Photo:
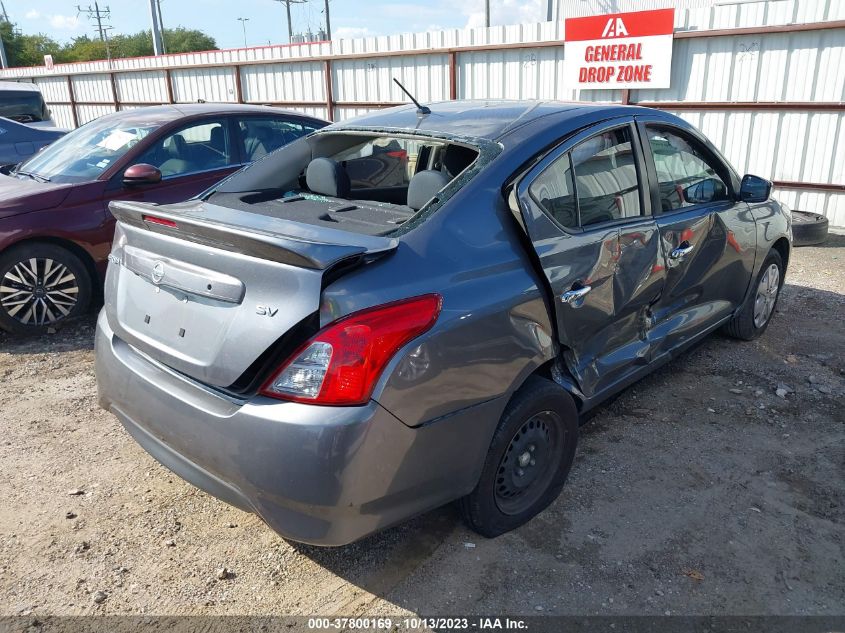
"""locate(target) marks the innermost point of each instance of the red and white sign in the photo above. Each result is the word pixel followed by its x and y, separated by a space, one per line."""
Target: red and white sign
pixel 619 50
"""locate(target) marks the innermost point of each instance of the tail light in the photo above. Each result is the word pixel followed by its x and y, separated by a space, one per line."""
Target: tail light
pixel 343 362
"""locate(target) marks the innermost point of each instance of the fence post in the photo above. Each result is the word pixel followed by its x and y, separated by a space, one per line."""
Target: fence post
pixel 453 75
pixel 114 92
pixel 168 80
pixel 239 95
pixel 72 100
pixel 327 70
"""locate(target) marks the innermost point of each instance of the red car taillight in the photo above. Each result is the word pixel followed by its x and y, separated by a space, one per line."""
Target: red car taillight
pixel 342 363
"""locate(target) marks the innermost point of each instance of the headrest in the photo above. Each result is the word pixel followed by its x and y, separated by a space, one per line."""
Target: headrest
pixel 424 186
pixel 328 178
pixel 456 158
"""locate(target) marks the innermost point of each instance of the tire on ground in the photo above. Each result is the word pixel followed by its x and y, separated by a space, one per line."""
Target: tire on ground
pixel 808 228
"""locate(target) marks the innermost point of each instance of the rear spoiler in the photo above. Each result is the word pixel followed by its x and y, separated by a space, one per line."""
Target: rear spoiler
pixel 239 231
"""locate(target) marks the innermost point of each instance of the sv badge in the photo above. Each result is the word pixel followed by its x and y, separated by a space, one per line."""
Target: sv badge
pixel 266 311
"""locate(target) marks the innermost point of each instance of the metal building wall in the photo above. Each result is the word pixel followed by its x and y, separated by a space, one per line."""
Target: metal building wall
pixel 762 78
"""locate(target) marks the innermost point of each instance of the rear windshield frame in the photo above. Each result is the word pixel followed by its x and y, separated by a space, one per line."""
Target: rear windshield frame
pixel 487 151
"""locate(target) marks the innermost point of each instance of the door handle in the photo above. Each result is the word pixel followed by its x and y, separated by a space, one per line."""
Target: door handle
pixel 573 297
pixel 684 249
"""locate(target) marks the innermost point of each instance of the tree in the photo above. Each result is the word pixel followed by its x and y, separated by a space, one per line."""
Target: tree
pixel 182 40
pixel 29 50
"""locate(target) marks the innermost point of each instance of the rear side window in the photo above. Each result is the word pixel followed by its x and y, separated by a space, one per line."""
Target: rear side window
pixel 262 135
pixel 597 181
pixel 686 176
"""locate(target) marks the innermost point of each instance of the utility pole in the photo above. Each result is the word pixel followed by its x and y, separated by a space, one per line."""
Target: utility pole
pixel 550 10
pixel 99 16
pixel 328 23
pixel 4 19
pixel 243 22
pixel 287 4
pixel 157 47
pixel 161 28
pixel 487 13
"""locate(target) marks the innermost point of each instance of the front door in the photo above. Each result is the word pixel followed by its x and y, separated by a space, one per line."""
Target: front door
pixel 708 242
pixel 585 211
pixel 191 159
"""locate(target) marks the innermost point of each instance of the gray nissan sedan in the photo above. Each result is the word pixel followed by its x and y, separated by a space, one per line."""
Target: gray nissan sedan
pixel 416 307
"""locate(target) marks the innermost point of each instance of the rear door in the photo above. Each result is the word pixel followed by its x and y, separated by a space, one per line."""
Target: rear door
pixel 707 235
pixel 191 159
pixel 587 214
pixel 261 134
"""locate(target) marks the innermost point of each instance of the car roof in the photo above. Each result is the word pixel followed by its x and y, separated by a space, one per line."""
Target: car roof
pixel 23 86
pixel 484 119
pixel 162 114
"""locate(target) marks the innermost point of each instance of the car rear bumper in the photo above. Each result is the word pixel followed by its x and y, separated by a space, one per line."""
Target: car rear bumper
pixel 320 475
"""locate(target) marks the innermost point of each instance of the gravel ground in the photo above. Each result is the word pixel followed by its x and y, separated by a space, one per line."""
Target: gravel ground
pixel 698 491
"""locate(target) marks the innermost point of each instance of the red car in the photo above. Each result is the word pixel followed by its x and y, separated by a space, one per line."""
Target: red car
pixel 55 226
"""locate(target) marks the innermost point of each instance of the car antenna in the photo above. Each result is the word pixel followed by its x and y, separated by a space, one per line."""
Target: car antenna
pixel 421 109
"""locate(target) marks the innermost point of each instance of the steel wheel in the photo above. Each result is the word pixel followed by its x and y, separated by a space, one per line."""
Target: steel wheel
pixel 529 464
pixel 767 294
pixel 39 291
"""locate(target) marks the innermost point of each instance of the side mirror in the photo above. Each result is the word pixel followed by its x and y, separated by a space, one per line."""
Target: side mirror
pixel 141 174
pixel 704 191
pixel 754 189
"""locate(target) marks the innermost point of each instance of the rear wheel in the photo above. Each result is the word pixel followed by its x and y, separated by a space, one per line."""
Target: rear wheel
pixel 529 459
pixel 40 286
pixel 755 315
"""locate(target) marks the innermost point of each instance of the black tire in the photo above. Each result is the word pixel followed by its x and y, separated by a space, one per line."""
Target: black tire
pixel 502 500
pixel 60 289
pixel 808 228
pixel 743 325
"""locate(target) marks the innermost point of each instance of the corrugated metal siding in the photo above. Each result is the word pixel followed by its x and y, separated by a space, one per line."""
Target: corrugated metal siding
pixel 90 112
pixel 96 88
pixel 358 80
pixel 215 85
pixel 283 82
pixel 62 116
pixel 784 145
pixel 753 68
pixel 142 87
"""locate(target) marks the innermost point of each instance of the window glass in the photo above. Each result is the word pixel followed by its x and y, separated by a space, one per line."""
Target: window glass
pixel 685 175
pixel 24 106
pixel 85 153
pixel 262 135
pixel 606 180
pixel 381 162
pixel 553 191
pixel 201 147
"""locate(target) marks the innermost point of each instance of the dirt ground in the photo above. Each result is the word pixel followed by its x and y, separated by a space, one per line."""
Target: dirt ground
pixel 698 491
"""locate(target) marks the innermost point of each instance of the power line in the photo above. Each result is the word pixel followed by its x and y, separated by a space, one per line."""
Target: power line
pixel 101 17
pixel 287 4
pixel 98 15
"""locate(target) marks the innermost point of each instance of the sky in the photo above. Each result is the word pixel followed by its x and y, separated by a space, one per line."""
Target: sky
pixel 267 23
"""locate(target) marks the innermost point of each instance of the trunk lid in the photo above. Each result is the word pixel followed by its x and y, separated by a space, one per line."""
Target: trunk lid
pixel 205 289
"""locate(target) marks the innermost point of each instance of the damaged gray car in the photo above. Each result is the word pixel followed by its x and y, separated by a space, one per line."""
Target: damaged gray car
pixel 418 307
